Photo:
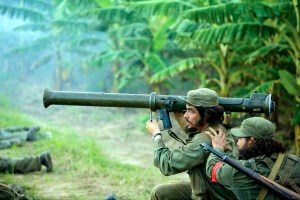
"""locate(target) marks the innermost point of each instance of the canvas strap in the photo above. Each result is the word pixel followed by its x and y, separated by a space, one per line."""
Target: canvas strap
pixel 271 176
pixel 174 136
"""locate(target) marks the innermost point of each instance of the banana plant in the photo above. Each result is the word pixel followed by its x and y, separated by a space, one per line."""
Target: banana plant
pixel 60 31
pixel 126 39
pixel 220 26
pixel 290 83
pixel 225 26
pixel 136 44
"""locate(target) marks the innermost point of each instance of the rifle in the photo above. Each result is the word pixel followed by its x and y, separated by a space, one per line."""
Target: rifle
pixel 256 103
pixel 264 181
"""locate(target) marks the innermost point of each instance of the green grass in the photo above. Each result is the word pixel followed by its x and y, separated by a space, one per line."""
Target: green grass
pixel 81 169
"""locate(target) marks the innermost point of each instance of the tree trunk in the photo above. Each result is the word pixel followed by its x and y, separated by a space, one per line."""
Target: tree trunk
pixel 116 76
pixel 297 139
pixel 58 71
pixel 224 68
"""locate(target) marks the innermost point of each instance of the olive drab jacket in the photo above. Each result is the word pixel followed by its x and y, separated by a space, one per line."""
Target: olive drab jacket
pixel 243 186
pixel 192 158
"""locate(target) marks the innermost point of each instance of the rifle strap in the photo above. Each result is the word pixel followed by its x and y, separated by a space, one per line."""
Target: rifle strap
pixel 174 136
pixel 272 175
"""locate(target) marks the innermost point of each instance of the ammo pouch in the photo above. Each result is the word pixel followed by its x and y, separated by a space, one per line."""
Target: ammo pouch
pixel 12 192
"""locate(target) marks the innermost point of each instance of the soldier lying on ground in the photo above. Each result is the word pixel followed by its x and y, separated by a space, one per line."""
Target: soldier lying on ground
pixel 26 164
pixel 19 135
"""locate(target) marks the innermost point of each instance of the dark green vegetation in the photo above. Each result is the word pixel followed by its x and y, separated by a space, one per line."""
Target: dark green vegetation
pixel 165 46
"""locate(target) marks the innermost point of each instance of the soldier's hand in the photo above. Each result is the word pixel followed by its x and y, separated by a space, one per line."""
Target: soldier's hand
pixel 217 138
pixel 152 127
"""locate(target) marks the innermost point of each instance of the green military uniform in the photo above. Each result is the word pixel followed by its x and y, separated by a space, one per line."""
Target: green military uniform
pixel 243 186
pixel 20 165
pixel 27 164
pixel 19 135
pixel 7 138
pixel 191 158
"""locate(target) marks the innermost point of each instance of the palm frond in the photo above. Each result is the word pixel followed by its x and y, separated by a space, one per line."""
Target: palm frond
pixel 33 27
pixel 132 29
pixel 157 7
pixel 230 33
pixel 126 74
pixel 113 14
pixel 23 13
pixel 229 12
pixel 75 26
pixel 161 35
pixel 264 51
pixel 42 61
pixel 104 3
pixel 289 82
pixel 113 56
pixel 282 8
pixel 43 6
pixel 88 40
pixel 177 68
pixel 155 63
pixel 187 26
pixel 237 71
pixel 139 43
pixel 294 39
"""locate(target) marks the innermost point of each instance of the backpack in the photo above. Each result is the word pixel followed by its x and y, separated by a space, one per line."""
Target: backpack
pixel 12 192
pixel 289 171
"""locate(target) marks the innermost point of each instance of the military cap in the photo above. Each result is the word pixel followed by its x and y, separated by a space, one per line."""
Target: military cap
pixel 203 97
pixel 256 127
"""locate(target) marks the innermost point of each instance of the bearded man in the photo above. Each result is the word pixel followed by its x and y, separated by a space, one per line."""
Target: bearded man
pixel 202 112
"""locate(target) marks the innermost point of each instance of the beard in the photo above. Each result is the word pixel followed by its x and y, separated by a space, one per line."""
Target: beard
pixel 190 129
pixel 245 153
pixel 193 128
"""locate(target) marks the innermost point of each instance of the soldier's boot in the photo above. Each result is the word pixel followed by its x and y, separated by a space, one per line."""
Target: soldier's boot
pixel 46 161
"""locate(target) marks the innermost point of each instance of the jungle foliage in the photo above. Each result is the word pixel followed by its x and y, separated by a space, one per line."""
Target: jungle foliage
pixel 234 47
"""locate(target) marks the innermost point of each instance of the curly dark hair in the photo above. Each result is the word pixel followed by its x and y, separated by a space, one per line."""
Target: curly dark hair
pixel 261 147
pixel 212 115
